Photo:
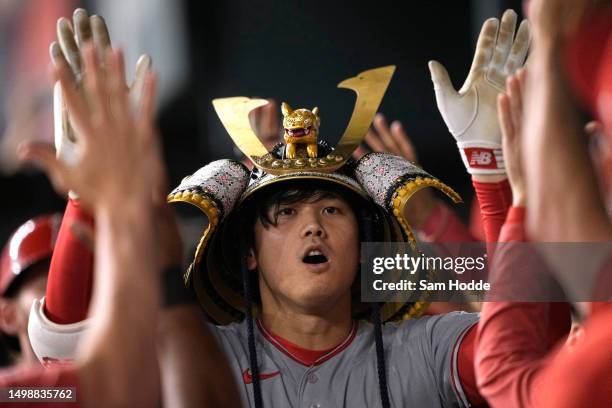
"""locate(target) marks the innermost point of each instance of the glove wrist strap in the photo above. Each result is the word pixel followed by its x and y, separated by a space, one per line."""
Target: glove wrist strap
pixel 482 157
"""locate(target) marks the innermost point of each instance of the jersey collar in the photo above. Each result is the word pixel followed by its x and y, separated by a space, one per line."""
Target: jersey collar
pixel 302 355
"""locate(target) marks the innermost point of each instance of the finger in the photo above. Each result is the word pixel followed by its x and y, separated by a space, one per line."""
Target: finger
pixel 69 46
pixel 38 153
pixel 255 120
pixel 382 127
pixel 82 27
pixel 94 84
pixel 84 233
pixel 43 156
pixel 147 107
pixel 269 124
pixel 74 100
pixel 484 49
pixel 374 142
pixel 443 86
pixel 406 147
pixel 117 91
pixel 359 152
pixel 505 36
pixel 100 33
pixel 505 118
pixel 521 75
pixel 516 102
pixel 269 120
pixel 518 53
pixel 143 65
pixel 57 56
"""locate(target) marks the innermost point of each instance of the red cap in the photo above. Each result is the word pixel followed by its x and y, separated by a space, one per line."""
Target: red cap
pixel 30 243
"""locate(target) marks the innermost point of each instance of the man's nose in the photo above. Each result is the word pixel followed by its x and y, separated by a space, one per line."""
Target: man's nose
pixel 313 228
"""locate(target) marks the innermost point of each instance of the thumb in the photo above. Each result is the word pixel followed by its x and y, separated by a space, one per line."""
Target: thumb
pixel 43 156
pixel 443 86
pixel 39 154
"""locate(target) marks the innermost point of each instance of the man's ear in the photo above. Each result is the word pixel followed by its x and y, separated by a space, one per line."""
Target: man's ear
pixel 9 323
pixel 251 260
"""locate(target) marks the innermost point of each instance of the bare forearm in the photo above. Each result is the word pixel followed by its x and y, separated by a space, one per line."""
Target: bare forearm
pixel 125 305
pixel 563 199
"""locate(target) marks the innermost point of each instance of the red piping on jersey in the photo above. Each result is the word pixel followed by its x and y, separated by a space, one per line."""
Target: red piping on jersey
pixel 302 355
pixel 247 377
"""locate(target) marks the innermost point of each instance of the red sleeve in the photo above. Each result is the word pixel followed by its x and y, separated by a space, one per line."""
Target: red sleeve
pixel 476 226
pixel 465 368
pixel 495 200
pixel 71 272
pixel 512 231
pixel 514 339
pixel 443 225
pixel 36 376
pixel 584 370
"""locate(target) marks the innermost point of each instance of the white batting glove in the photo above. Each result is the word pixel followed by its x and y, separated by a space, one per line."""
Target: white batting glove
pixel 471 113
pixel 71 39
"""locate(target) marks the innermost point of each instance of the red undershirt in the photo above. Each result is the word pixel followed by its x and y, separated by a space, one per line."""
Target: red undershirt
pixel 495 200
pixel 69 286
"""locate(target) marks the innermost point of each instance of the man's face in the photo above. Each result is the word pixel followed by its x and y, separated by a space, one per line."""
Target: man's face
pixel 309 258
pixel 34 288
pixel 15 311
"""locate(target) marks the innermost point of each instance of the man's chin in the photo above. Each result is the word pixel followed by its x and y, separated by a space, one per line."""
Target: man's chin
pixel 318 299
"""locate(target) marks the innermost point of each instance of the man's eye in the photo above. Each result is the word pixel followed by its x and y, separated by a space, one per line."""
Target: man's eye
pixel 286 211
pixel 331 210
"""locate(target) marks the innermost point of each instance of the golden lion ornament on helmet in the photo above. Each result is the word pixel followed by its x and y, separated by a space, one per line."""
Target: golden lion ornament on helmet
pixel 301 131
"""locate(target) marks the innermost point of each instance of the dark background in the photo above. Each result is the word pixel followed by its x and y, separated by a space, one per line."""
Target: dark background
pixel 298 52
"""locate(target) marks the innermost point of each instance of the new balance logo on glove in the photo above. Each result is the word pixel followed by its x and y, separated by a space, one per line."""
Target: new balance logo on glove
pixel 482 158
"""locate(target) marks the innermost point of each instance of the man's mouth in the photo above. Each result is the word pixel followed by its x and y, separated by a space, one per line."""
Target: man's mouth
pixel 314 257
pixel 298 132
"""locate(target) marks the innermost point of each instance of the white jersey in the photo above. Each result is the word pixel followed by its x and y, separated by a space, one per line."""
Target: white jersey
pixel 420 355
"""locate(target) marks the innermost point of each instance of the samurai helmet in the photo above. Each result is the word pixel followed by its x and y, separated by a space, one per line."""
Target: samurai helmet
pixel 223 188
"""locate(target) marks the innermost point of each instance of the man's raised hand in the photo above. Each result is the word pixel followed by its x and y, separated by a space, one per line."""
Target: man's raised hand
pixel 68 50
pixel 388 139
pixel 470 113
pixel 119 152
pixel 510 110
pixel 394 139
